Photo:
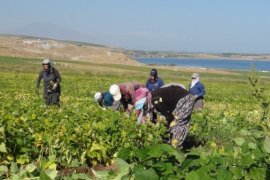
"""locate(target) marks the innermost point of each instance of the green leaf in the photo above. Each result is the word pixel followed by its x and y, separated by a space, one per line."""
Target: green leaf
pixel 179 156
pixel 239 141
pixel 172 177
pixel 48 164
pixel 164 149
pixel 189 162
pixel 266 144
pixel 149 174
pixel 247 160
pixel 258 153
pixel 257 173
pixel 2 130
pixel 252 145
pixel 30 167
pixel 236 171
pixel 52 173
pixel 14 168
pixel 203 172
pixel 169 169
pixel 43 175
pixel 34 116
pixel 75 163
pixel 3 169
pixel 100 174
pixel 155 152
pixel 22 159
pixel 17 176
pixel 142 154
pixel 124 153
pixel 123 168
pixel 161 166
pixel 217 160
pixel 192 176
pixel 80 176
pixel 3 148
pixel 223 174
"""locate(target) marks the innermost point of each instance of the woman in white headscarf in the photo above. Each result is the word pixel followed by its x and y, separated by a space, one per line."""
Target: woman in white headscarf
pixel 197 89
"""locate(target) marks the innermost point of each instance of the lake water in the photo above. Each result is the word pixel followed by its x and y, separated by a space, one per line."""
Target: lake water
pixel 226 64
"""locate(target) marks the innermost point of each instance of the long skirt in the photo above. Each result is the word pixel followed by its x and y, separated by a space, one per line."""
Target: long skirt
pixel 198 104
pixel 52 98
pixel 179 126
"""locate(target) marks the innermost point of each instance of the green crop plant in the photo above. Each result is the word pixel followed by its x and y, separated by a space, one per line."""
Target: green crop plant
pixel 226 139
pixel 260 93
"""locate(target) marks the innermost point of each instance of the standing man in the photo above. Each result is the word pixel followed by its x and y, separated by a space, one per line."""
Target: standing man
pixel 154 82
pixel 197 89
pixel 51 83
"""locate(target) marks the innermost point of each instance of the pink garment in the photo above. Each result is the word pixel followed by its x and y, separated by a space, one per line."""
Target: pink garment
pixel 128 90
pixel 141 93
pixel 138 95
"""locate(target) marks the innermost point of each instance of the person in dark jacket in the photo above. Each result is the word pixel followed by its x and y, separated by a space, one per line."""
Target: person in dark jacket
pixel 51 83
pixel 197 89
pixel 176 105
pixel 154 82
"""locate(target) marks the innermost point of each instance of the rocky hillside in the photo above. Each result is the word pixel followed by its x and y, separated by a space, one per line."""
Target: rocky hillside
pixel 20 46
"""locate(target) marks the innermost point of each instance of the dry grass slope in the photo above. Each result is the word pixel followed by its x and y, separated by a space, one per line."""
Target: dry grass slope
pixel 17 46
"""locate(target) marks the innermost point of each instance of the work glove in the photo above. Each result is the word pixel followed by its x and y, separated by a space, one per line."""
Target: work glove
pixel 195 97
pixel 54 86
pixel 127 113
pixel 130 107
pixel 37 92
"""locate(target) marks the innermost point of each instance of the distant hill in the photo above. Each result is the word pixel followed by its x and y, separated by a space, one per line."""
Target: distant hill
pixel 52 31
pixel 39 47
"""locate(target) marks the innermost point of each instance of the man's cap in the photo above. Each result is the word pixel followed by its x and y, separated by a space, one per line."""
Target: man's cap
pixel 153 72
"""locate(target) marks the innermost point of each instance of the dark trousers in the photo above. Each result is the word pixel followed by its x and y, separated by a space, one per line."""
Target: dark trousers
pixel 52 98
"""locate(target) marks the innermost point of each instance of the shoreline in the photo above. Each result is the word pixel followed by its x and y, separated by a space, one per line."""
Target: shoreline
pixel 204 58
pixel 206 64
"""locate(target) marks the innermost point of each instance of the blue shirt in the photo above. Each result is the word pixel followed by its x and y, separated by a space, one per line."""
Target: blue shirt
pixel 198 89
pixel 152 86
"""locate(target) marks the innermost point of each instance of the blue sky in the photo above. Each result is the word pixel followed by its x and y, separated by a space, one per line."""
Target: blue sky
pixel 176 25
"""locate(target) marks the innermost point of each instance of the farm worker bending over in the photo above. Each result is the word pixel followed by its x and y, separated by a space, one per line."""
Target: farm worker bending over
pixel 51 83
pixel 124 93
pixel 154 82
pixel 105 99
pixel 143 105
pixel 197 89
pixel 176 105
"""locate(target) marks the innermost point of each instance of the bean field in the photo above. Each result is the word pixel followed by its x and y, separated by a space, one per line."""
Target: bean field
pixel 228 139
